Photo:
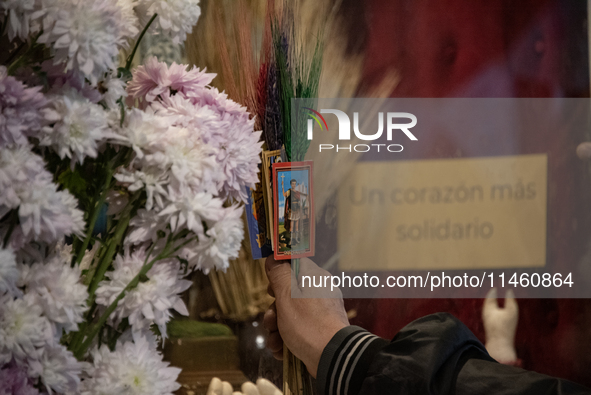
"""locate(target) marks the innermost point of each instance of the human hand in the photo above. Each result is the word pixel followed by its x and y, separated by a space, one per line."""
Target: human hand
pixel 305 322
pixel 500 325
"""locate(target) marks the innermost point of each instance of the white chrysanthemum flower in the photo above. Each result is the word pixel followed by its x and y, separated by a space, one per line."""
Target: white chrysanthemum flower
pixel 23 329
pixel 142 130
pixel 57 288
pixel 151 301
pixel 86 36
pixel 47 214
pixel 134 368
pixel 113 89
pixel 145 227
pixel 175 17
pixel 186 113
pixel 58 369
pixel 129 18
pixel 17 13
pixel 78 126
pixel 189 211
pixel 171 158
pixel 19 166
pixel 9 273
pixel 190 162
pixel 152 179
pixel 222 243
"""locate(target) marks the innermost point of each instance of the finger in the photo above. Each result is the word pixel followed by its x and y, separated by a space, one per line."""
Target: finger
pixel 311 269
pixel 584 150
pixel 279 275
pixel 271 263
pixel 270 291
pixel 278 355
pixel 270 318
pixel 274 342
pixel 511 303
pixel 490 303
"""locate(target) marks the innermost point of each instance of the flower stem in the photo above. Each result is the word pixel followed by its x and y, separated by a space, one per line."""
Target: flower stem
pixel 113 163
pixel 112 245
pixel 15 52
pixel 13 218
pixel 21 59
pixel 137 43
pixel 3 28
pixel 96 211
pixel 103 265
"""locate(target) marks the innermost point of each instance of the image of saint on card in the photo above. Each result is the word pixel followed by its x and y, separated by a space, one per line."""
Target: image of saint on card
pixel 293 209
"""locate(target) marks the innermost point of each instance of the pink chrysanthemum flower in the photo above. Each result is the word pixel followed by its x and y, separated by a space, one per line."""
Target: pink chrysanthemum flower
pixel 219 102
pixel 157 79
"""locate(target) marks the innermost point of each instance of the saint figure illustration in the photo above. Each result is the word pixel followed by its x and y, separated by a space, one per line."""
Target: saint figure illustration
pixel 293 211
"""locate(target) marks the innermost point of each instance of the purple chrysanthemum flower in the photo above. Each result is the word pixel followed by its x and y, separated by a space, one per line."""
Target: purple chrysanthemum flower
pixel 14 381
pixel 238 154
pixel 20 107
pixel 238 145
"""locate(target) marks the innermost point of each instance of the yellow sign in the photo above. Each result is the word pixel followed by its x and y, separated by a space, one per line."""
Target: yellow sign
pixel 469 213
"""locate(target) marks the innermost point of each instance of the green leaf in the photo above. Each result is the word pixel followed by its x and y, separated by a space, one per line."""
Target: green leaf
pixel 124 74
pixel 73 182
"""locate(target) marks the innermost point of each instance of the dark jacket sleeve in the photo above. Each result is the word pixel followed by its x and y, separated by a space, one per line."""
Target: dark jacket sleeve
pixel 436 354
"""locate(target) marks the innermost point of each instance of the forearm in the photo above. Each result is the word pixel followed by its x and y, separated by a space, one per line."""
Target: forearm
pixel 436 354
pixel 478 377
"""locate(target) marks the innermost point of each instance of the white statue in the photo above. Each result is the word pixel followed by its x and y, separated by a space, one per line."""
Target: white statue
pixel 262 387
pixel 500 325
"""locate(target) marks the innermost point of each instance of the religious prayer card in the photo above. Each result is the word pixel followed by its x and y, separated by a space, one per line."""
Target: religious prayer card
pixel 269 157
pixel 260 245
pixel 293 210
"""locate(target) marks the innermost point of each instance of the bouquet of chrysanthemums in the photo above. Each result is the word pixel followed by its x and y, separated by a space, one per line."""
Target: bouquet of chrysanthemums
pixel 115 184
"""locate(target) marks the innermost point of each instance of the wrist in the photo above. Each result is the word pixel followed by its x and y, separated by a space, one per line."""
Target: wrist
pixel 501 349
pixel 319 345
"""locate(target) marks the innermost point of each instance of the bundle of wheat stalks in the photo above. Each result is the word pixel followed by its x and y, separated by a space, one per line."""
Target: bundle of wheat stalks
pixel 241 292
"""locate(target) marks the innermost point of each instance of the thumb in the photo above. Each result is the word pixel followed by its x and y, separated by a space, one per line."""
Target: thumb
pixel 279 275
